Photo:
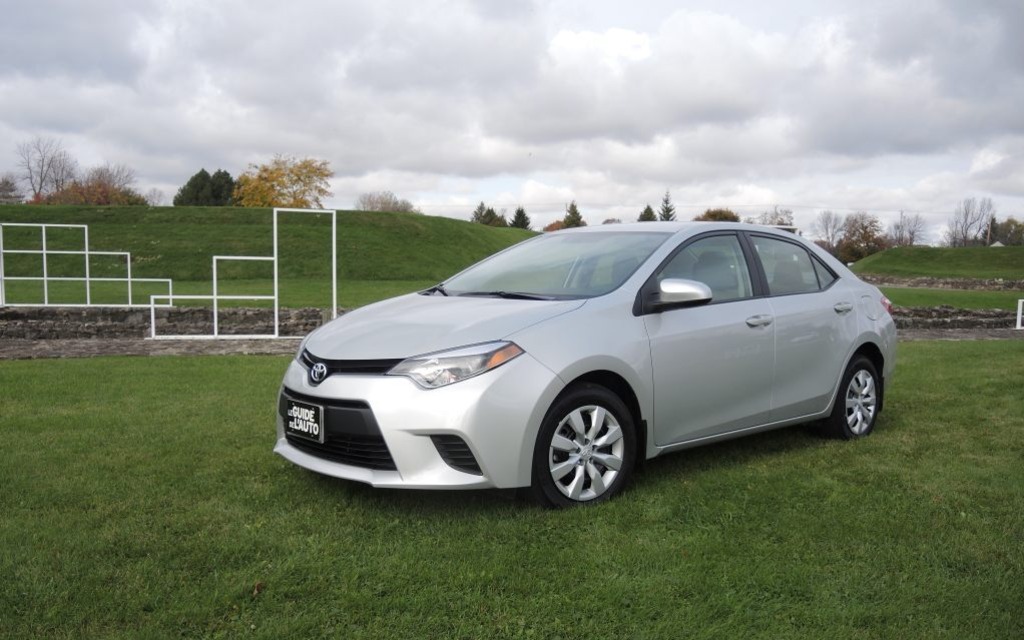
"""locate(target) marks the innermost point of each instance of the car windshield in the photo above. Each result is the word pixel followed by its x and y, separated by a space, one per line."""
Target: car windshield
pixel 559 266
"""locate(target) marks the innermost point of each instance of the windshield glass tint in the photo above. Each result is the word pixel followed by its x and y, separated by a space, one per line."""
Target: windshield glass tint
pixel 561 265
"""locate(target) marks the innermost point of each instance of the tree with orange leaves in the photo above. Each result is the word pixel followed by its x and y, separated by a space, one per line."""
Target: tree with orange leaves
pixel 284 182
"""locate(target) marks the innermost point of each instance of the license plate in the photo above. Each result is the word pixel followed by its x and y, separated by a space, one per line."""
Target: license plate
pixel 304 420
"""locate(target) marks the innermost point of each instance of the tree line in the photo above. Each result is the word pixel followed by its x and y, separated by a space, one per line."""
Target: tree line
pixel 484 214
pixel 855 236
pixel 974 223
pixel 49 174
pixel 52 175
pixel 666 212
pixel 848 237
pixel 284 181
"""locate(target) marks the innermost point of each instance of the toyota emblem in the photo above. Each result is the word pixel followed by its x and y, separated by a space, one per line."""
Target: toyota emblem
pixel 318 373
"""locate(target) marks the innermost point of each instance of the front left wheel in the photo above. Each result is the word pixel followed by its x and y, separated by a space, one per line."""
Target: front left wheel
pixel 585 450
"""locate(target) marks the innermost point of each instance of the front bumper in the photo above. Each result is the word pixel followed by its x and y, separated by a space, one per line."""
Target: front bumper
pixel 497 414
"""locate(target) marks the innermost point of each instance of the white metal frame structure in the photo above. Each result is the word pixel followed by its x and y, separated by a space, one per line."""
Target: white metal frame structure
pixel 217 296
pixel 1020 314
pixel 46 278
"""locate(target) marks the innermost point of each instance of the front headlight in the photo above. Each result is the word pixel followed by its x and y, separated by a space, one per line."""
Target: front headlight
pixel 435 370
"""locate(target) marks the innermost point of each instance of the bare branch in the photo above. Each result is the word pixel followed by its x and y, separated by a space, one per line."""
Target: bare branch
pixel 828 226
pixel 906 231
pixel 969 222
pixel 113 176
pixel 384 201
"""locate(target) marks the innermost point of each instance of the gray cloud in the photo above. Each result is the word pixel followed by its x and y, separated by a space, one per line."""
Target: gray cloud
pixel 46 38
pixel 840 103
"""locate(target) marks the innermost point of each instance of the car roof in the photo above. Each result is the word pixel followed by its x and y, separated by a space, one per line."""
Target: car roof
pixel 671 227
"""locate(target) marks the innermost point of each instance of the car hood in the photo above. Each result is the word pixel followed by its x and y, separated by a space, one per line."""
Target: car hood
pixel 416 324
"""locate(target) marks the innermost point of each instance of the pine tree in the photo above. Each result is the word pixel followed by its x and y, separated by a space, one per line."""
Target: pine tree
pixel 667 213
pixel 520 220
pixel 204 190
pixel 572 217
pixel 196 192
pixel 647 215
pixel 9 191
pixel 479 213
pixel 494 219
pixel 222 186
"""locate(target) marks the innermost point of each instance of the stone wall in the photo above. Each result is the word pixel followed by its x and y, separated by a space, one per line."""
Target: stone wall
pixel 946 317
pixel 55 323
pixel 976 284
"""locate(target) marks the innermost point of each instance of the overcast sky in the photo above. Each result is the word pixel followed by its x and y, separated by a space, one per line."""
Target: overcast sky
pixel 847 105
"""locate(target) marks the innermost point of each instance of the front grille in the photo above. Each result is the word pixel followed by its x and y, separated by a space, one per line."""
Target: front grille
pixel 351 434
pixel 349 367
pixel 456 453
pixel 359 451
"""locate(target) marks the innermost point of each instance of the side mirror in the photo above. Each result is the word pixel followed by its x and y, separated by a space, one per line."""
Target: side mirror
pixel 674 292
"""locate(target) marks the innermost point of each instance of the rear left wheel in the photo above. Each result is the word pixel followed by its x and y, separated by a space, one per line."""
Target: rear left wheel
pixel 858 403
pixel 585 450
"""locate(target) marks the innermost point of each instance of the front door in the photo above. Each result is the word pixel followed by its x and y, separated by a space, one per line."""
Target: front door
pixel 712 364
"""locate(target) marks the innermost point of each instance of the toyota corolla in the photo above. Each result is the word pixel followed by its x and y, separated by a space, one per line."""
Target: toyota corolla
pixel 562 362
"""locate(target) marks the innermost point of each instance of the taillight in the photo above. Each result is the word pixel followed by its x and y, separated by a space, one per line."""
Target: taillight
pixel 887 304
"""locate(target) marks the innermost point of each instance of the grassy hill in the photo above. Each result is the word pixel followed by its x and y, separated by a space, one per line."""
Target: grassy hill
pixel 935 262
pixel 177 242
pixel 965 262
pixel 401 252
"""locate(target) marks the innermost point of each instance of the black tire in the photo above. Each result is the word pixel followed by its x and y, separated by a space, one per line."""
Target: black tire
pixel 577 468
pixel 858 402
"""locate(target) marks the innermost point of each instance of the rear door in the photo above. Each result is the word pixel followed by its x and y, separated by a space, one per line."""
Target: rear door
pixel 815 323
pixel 712 364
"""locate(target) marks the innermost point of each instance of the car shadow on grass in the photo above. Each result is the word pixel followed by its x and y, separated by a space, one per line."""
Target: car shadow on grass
pixel 669 468
pixel 421 500
pixel 728 454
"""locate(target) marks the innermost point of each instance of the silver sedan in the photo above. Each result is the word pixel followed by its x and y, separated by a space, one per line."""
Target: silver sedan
pixel 563 361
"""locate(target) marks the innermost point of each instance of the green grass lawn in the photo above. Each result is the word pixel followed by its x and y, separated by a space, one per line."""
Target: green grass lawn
pixel 940 262
pixel 140 498
pixel 907 297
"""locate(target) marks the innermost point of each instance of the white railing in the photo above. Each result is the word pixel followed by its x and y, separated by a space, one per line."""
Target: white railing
pixel 275 297
pixel 45 252
pixel 154 299
pixel 216 335
pixel 1020 314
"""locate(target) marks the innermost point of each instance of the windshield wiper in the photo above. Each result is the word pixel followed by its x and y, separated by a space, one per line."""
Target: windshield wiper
pixel 437 288
pixel 508 295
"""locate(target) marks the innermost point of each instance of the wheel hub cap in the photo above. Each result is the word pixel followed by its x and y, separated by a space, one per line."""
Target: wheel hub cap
pixel 861 402
pixel 586 453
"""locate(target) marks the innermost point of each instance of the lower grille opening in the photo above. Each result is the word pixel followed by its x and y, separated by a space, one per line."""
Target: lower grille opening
pixel 351 434
pixel 456 453
pixel 359 451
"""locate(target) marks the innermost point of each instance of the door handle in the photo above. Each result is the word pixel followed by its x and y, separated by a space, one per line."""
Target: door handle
pixel 762 320
pixel 843 307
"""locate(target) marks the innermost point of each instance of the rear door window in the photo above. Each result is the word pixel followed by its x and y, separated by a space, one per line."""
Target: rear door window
pixel 788 267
